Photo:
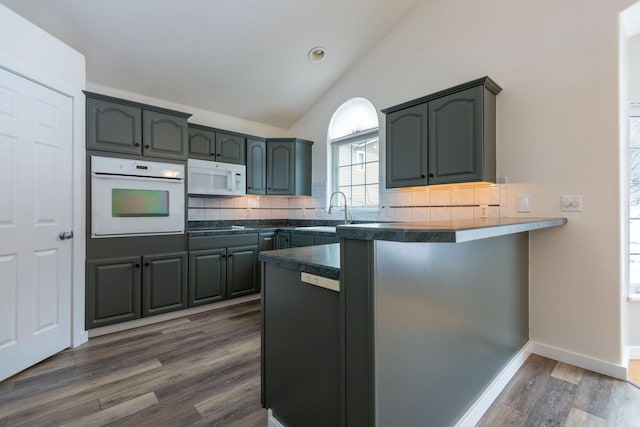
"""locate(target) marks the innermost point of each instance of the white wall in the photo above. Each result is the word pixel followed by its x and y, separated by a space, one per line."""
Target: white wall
pixel 23 42
pixel 557 134
pixel 28 50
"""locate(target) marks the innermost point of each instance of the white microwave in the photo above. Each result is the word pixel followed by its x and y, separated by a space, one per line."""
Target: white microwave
pixel 216 178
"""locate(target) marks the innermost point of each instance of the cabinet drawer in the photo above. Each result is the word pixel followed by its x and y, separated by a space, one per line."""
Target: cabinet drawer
pixel 222 241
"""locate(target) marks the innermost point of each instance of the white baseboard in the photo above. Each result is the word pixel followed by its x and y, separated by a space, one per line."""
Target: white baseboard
pixel 579 360
pixel 480 406
pixel 119 327
pixel 633 352
pixel 272 421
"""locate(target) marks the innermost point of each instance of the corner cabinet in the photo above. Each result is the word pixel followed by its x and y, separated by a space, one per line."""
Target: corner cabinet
pixel 443 138
pixel 120 126
pixel 289 167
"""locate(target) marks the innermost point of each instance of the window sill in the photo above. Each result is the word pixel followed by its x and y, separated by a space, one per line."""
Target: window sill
pixel 634 297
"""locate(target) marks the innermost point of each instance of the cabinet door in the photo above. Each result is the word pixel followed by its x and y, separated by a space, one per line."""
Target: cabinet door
pixel 202 144
pixel 407 147
pixel 165 135
pixel 164 285
pixel 267 241
pixel 282 240
pixel 113 291
pixel 230 148
pixel 207 276
pixel 113 127
pixel 301 239
pixel 280 167
pixel 242 270
pixel 256 166
pixel 455 137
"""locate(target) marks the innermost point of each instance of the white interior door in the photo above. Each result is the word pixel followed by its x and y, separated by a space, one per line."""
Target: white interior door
pixel 35 207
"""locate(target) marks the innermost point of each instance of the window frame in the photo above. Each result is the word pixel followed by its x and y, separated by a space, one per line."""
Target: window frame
pixel 634 287
pixel 347 140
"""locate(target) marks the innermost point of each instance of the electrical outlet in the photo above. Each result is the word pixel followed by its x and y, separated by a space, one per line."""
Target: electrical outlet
pixel 571 203
pixel 484 211
pixel 524 204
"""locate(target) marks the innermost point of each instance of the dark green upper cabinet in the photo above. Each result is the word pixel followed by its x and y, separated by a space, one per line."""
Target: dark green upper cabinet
pixel 164 135
pixel 113 127
pixel 120 126
pixel 456 144
pixel 202 143
pixel 444 138
pixel 230 148
pixel 407 147
pixel 256 166
pixel 289 166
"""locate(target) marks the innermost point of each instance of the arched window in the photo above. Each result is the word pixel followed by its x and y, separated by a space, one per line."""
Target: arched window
pixel 355 152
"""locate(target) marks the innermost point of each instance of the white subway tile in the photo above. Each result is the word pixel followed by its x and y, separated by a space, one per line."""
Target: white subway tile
pixel 212 202
pixel 421 198
pixel 196 202
pixel 494 211
pixel 212 214
pixel 403 214
pixel 440 197
pixel 461 196
pixel 227 202
pixel 440 213
pixel 240 202
pixel 389 198
pixel 504 211
pixel 504 195
pixel 196 214
pixel 404 198
pixel 421 214
pixel 489 195
pixel 460 212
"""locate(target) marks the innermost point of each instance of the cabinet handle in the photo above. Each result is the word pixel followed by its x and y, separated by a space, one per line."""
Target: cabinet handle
pixel 230 255
pixel 249 187
pixel 430 175
pixel 269 188
pixel 422 176
pixel 213 154
pixel 218 154
pixel 146 264
pixel 137 144
pixel 137 265
pixel 147 146
pixel 224 256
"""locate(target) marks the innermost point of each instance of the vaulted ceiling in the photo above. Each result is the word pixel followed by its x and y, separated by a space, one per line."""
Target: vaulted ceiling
pixel 244 58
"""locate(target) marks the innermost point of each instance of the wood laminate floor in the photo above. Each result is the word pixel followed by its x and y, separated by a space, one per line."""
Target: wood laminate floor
pixel 198 370
pixel 205 370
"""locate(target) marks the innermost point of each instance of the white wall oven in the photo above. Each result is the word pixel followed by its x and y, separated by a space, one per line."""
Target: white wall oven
pixel 136 197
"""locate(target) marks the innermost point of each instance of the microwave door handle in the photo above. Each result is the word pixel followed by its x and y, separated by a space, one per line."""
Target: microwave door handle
pixel 230 181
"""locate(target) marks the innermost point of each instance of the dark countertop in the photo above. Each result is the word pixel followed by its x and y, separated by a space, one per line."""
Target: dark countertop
pixel 322 260
pixel 445 231
pixel 214 228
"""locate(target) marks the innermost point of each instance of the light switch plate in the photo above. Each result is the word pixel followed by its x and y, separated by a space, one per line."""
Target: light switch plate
pixel 571 203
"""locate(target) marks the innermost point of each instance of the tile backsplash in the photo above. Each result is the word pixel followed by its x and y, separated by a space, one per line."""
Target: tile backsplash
pixel 415 204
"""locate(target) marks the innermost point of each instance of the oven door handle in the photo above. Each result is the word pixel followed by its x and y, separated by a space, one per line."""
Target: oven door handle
pixel 138 178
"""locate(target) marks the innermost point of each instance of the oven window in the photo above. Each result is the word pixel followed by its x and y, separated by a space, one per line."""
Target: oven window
pixel 139 203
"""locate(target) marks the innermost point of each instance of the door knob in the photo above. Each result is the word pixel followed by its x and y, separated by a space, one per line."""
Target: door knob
pixel 66 235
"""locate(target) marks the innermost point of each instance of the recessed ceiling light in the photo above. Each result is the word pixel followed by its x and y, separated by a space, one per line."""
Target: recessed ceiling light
pixel 317 54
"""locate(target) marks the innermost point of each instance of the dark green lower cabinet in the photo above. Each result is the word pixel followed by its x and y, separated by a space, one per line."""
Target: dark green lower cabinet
pixel 127 288
pixel 207 276
pixel 222 273
pixel 283 240
pixel 242 271
pixel 164 283
pixel 113 291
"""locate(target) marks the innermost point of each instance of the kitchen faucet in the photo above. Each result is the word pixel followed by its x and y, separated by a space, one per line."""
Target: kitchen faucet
pixel 346 220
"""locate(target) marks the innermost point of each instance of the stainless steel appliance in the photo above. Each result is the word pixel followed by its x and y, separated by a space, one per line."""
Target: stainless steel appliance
pixel 136 197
